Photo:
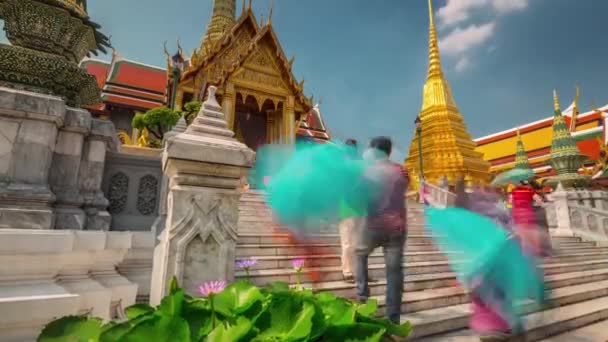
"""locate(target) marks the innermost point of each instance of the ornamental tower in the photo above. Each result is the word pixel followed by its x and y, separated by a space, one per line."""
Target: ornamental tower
pixel 521 158
pixel 222 19
pixel 566 159
pixel 447 147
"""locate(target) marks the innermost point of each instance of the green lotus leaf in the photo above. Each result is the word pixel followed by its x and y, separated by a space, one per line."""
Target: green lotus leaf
pixel 358 332
pixel 288 318
pixel 401 330
pixel 160 327
pixel 226 332
pixel 237 298
pixel 72 329
pixel 199 321
pixel 172 304
pixel 137 310
pixel 339 311
pixel 368 309
pixel 113 332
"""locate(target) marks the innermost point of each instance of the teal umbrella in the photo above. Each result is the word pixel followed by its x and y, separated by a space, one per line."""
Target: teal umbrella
pixel 487 252
pixel 515 175
pixel 311 185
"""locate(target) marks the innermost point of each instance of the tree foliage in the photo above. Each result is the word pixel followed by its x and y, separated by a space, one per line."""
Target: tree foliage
pixel 243 312
pixel 157 121
pixel 190 110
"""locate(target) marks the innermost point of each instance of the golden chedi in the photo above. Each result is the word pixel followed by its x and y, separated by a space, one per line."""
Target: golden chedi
pixel 447 147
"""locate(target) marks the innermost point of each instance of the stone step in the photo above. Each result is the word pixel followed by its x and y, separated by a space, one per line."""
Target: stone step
pixel 597 332
pixel 284 261
pixel 333 273
pixel 278 249
pixel 421 282
pixel 569 303
pixel 281 238
pixel 256 250
pixel 448 296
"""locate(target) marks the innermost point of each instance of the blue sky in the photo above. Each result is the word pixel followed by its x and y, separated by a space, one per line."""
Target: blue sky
pixel 367 59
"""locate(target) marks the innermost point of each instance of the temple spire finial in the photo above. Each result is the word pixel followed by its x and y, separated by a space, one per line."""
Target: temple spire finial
pixel 434 58
pixel 555 100
pixel 270 13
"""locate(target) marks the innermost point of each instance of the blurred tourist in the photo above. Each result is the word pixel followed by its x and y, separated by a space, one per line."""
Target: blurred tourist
pixel 386 225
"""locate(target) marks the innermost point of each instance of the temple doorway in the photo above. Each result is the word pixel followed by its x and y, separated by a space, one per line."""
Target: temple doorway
pixel 251 121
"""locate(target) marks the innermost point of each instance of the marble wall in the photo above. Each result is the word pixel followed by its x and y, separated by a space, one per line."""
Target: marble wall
pixel 51 164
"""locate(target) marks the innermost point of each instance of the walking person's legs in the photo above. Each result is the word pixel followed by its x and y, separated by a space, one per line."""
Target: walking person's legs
pixel 366 243
pixel 393 259
pixel 347 239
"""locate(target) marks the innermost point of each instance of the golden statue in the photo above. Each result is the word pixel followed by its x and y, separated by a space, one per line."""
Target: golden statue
pixel 244 60
pixel 143 140
pixel 447 148
pixel 125 139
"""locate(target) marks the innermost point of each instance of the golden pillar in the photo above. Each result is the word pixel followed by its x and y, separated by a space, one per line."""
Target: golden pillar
pixel 179 97
pixel 229 104
pixel 289 120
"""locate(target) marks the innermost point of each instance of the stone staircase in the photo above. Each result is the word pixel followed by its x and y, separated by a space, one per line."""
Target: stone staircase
pixel 433 301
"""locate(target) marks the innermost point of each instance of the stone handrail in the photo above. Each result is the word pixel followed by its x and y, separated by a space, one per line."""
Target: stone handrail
pixel 46 274
pixel 579 213
pixel 442 197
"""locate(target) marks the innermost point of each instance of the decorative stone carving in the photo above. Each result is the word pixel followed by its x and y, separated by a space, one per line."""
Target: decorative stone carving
pixel 204 166
pixel 592 223
pixel 605 226
pixel 49 38
pixel 576 219
pixel 118 193
pixel 147 195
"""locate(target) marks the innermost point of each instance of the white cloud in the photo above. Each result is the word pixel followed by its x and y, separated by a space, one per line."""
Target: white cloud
pixel 456 11
pixel 462 40
pixel 507 6
pixel 463 64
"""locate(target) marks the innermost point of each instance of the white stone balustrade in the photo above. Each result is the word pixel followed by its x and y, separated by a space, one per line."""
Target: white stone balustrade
pixel 440 196
pixel 579 213
pixel 47 274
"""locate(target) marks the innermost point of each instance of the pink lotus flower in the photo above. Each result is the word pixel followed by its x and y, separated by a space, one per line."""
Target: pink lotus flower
pixel 211 287
pixel 298 264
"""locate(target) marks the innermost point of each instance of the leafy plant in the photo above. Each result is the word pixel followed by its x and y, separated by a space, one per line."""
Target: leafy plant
pixel 243 312
pixel 157 121
pixel 190 111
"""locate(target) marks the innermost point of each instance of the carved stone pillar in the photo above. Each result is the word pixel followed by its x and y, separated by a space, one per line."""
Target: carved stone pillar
pixel 63 176
pixel 29 123
pixel 562 213
pixel 159 224
pixel 289 121
pixel 102 137
pixel 204 166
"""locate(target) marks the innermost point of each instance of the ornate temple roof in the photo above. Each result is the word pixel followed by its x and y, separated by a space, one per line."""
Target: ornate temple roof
pixel 128 83
pixel 213 47
pixel 313 127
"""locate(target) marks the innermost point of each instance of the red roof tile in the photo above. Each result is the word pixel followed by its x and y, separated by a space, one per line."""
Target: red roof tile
pixel 97 68
pixel 137 75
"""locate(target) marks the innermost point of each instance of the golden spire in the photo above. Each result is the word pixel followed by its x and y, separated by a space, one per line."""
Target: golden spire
pixel 437 91
pixel 555 100
pixel 222 19
pixel 434 59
